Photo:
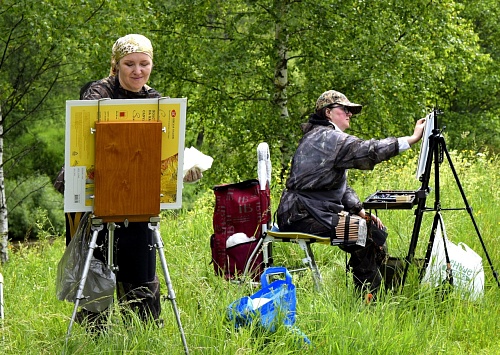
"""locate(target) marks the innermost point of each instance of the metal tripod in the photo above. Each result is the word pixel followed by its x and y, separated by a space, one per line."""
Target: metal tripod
pixel 97 226
pixel 437 146
pixel 154 225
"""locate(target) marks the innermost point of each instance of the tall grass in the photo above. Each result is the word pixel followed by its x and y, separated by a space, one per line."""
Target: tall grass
pixel 415 321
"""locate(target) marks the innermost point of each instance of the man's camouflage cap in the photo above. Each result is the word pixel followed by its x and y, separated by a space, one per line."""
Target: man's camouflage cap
pixel 332 97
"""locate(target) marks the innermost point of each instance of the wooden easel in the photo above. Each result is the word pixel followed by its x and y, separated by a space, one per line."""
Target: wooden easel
pixel 127 189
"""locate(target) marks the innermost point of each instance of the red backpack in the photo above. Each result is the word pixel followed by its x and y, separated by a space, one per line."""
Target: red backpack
pixel 241 211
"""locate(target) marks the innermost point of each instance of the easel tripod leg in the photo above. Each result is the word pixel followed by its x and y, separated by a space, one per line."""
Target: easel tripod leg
pixel 81 286
pixel 437 141
pixel 413 242
pixel 422 198
pixel 469 211
pixel 171 293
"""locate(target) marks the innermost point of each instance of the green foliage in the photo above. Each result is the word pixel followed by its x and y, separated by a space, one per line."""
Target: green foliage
pixel 35 208
pixel 49 49
pixel 398 58
pixel 473 120
pixel 43 144
pixel 414 321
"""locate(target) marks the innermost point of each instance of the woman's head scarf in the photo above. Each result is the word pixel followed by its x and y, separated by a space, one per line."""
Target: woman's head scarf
pixel 128 44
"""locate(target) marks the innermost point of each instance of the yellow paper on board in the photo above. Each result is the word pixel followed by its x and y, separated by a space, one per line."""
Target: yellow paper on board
pixel 81 117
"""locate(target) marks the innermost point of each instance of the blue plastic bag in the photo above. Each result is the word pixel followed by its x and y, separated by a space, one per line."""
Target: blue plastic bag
pixel 273 304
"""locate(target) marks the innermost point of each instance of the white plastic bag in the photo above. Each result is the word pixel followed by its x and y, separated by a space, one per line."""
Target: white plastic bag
pixel 466 265
pixel 193 158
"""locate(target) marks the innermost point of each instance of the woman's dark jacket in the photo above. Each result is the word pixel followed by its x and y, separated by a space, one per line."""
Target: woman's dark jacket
pixel 134 254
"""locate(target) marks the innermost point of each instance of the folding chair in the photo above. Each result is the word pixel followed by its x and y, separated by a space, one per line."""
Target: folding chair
pixel 304 240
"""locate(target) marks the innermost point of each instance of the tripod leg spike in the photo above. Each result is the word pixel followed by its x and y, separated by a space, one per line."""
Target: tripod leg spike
pixel 171 293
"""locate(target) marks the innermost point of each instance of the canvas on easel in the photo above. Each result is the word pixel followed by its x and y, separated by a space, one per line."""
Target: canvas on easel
pixel 80 152
pixel 424 145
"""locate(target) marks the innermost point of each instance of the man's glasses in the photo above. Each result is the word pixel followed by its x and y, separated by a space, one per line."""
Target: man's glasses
pixel 345 108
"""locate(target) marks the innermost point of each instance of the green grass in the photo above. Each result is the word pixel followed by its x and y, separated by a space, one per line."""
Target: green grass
pixel 414 321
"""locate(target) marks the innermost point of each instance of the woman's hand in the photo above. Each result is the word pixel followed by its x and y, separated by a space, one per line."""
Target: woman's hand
pixel 193 175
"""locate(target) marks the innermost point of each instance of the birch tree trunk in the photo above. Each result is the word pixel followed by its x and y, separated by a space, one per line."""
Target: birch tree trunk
pixel 281 73
pixel 4 225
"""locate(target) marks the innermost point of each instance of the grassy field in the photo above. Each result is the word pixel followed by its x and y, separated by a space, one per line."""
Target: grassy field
pixel 413 321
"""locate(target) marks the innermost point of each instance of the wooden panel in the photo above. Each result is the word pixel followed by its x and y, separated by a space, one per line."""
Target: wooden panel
pixel 127 170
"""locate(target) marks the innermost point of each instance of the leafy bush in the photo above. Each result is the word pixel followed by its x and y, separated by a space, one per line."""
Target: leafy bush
pixel 35 208
pixel 41 148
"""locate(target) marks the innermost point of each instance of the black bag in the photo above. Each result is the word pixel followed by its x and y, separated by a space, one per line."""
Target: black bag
pixel 240 211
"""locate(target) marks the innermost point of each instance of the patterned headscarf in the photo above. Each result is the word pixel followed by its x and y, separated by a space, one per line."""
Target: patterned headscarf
pixel 132 43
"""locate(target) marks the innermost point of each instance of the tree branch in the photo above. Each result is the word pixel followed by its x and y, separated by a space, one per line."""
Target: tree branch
pixel 9 38
pixel 95 12
pixel 30 193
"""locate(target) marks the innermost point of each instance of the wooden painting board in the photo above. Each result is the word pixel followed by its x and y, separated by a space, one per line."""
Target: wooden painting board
pixel 127 166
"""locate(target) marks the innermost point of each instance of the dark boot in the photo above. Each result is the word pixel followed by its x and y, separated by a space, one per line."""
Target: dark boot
pixel 144 299
pixel 93 322
pixel 365 269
